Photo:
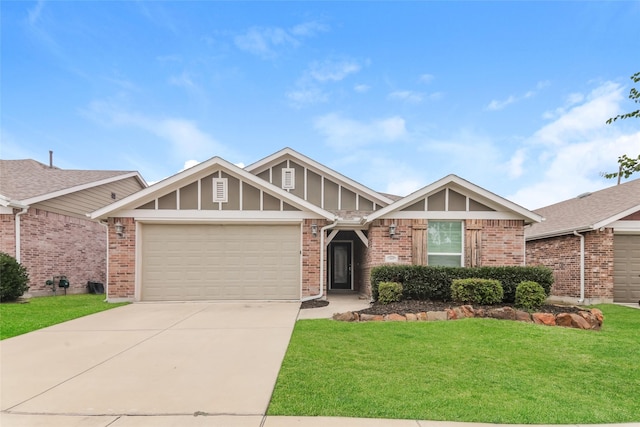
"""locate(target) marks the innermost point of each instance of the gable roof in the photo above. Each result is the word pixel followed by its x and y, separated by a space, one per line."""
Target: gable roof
pixel 589 211
pixel 184 176
pixel 28 181
pixel 527 215
pixel 256 168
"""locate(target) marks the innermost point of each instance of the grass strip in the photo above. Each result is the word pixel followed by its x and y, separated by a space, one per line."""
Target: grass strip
pixel 20 318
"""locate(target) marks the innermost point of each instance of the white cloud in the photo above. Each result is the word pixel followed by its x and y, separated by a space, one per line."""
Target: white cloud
pixel 265 42
pixel 426 78
pixel 406 96
pixel 515 164
pixel 565 157
pixel 344 133
pixel 496 104
pixel 306 96
pixel 331 70
pixel 361 88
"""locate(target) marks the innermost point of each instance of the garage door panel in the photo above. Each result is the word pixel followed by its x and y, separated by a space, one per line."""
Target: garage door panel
pixel 626 276
pixel 200 262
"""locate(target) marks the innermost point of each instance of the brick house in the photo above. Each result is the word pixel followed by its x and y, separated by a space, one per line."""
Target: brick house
pixel 44 222
pixel 290 228
pixel 592 243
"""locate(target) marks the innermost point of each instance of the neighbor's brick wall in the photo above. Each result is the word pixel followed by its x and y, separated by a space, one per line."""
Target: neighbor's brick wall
pixel 122 260
pixel 562 255
pixel 52 244
pixel 8 234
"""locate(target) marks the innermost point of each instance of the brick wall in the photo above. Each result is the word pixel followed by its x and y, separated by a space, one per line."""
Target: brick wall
pixel 311 258
pixel 8 234
pixel 562 255
pixel 53 244
pixel 122 260
pixel 502 243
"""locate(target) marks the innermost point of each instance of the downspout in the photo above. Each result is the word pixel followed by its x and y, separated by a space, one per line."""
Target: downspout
pixel 322 250
pixel 22 212
pixel 581 300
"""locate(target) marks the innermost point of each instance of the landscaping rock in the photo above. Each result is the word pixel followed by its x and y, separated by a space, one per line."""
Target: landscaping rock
pixel 572 320
pixel 599 316
pixel 523 316
pixel 468 310
pixel 395 317
pixel 544 319
pixel 436 315
pixel 411 317
pixel 422 316
pixel 591 319
pixel 371 318
pixel 504 313
pixel 349 316
pixel 451 314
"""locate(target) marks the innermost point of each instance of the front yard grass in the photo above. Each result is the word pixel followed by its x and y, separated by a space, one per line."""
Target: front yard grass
pixel 20 318
pixel 475 370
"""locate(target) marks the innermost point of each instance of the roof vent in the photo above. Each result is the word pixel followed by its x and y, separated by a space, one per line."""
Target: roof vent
pixel 583 195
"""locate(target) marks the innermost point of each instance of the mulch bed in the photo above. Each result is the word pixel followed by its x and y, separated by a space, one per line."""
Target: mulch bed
pixel 314 303
pixel 414 306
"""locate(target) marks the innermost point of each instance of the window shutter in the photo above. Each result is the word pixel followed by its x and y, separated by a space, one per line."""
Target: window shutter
pixel 288 179
pixel 220 190
pixel 419 242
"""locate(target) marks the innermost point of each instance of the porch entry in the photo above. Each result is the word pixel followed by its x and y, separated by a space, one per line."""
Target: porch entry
pixel 341 265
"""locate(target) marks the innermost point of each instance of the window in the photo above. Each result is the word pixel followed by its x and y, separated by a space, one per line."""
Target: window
pixel 444 243
pixel 288 179
pixel 220 190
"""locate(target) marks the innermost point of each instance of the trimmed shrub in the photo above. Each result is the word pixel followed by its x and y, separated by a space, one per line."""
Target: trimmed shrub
pixel 389 292
pixel 530 296
pixel 422 282
pixel 477 291
pixel 13 278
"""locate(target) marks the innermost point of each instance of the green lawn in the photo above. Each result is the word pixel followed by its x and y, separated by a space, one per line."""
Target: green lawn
pixel 477 370
pixel 20 318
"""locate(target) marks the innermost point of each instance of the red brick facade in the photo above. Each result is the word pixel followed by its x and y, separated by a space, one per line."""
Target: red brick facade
pixel 562 255
pixel 52 244
pixel 311 258
pixel 122 260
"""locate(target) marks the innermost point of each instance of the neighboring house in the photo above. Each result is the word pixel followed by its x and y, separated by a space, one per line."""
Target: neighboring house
pixel 290 228
pixel 44 222
pixel 592 243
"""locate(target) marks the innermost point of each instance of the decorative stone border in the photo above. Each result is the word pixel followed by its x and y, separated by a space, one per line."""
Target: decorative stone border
pixel 586 318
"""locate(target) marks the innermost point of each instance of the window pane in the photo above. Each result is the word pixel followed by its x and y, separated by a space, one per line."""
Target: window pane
pixel 445 237
pixel 444 260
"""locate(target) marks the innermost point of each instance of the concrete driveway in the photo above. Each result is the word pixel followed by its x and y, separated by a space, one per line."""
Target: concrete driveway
pixel 202 360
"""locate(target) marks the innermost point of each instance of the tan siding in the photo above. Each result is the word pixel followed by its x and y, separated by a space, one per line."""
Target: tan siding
pixel 330 195
pixel 250 197
pixel 436 202
pixel 189 196
pixel 168 201
pixel 276 174
pixel 457 202
pixel 264 175
pixel 314 188
pixel 85 201
pixel 365 204
pixel 206 193
pixel 288 207
pixel 348 200
pixel 477 206
pixel 299 190
pixel 233 200
pixel 270 203
pixel 150 205
pixel 416 207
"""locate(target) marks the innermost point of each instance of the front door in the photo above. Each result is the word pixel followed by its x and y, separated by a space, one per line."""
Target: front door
pixel 341 271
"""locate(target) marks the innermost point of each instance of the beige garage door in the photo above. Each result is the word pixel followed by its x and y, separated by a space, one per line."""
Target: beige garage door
pixel 220 262
pixel 626 268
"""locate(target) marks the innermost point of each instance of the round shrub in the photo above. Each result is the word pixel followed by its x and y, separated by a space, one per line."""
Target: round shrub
pixel 13 278
pixel 530 295
pixel 477 291
pixel 389 292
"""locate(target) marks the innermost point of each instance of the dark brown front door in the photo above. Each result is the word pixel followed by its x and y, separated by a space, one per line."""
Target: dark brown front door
pixel 340 265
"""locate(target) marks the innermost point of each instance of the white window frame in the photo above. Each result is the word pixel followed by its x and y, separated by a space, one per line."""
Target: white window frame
pixel 460 254
pixel 220 190
pixel 288 179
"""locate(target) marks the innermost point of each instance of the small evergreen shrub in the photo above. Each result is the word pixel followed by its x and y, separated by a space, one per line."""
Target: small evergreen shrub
pixel 530 295
pixel 477 291
pixel 389 292
pixel 13 278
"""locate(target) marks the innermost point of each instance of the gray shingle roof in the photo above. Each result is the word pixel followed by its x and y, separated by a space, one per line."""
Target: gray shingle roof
pixel 586 211
pixel 25 179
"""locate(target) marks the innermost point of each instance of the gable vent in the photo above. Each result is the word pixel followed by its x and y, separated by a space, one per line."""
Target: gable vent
pixel 288 179
pixel 220 191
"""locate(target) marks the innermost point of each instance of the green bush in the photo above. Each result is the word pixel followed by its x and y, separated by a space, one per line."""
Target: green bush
pixel 477 291
pixel 389 292
pixel 530 295
pixel 422 282
pixel 13 278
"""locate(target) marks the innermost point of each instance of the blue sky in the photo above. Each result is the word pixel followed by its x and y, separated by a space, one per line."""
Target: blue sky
pixel 512 96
